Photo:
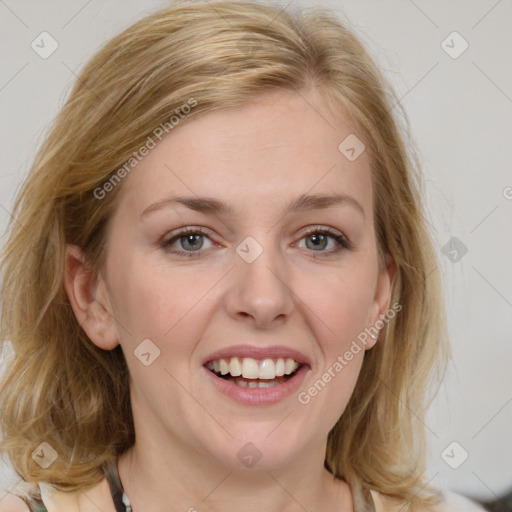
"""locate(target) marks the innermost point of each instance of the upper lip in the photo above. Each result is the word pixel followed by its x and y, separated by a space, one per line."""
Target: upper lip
pixel 257 352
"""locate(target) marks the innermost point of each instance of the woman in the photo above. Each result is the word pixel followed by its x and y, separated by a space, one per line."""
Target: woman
pixel 221 291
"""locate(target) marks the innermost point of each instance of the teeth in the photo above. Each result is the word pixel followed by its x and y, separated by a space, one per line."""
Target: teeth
pixel 267 369
pixel 250 368
pixel 253 384
pixel 224 368
pixel 235 368
pixel 280 367
pixel 267 384
pixel 290 366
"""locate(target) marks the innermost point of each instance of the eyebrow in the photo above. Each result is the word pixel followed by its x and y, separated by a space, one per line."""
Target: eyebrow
pixel 214 206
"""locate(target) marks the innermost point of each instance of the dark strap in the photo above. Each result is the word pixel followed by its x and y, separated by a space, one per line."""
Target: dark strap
pixel 116 488
pixel 34 505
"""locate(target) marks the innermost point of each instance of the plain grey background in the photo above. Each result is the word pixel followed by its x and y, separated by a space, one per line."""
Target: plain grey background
pixel 459 103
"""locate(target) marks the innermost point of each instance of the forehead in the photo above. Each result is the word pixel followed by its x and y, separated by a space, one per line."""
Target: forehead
pixel 267 152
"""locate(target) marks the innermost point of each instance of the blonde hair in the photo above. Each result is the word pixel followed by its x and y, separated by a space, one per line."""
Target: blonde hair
pixel 59 386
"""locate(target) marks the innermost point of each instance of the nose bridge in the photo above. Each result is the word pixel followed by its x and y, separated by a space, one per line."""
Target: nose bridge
pixel 260 287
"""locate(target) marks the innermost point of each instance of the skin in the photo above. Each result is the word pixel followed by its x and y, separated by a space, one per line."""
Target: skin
pixel 256 158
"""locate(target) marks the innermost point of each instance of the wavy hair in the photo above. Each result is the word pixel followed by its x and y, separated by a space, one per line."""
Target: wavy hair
pixel 61 388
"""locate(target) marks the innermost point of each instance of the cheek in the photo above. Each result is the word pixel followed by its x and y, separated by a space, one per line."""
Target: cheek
pixel 341 301
pixel 163 304
pixel 328 391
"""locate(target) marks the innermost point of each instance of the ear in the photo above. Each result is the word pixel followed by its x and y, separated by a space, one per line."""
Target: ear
pixel 382 298
pixel 89 299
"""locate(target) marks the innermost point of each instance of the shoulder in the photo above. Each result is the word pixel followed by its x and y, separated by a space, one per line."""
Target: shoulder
pixel 20 497
pixel 12 503
pixel 452 502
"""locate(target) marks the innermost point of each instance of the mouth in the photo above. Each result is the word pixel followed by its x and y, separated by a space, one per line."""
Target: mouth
pixel 247 372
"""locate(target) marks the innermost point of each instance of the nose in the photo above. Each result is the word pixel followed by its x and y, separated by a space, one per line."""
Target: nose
pixel 260 292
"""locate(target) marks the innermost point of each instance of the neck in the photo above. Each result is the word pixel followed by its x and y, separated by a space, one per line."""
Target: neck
pixel 155 478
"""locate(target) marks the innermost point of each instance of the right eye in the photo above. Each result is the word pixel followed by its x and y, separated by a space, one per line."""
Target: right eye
pixel 190 239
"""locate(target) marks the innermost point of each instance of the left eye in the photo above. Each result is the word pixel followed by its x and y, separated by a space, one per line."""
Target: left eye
pixel 319 238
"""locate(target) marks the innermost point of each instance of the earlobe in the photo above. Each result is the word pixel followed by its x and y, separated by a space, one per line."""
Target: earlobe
pixel 89 300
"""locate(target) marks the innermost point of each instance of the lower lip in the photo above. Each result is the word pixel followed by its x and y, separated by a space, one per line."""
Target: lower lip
pixel 258 396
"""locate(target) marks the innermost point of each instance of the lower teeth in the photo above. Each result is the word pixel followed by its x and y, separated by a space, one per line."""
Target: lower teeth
pixel 254 383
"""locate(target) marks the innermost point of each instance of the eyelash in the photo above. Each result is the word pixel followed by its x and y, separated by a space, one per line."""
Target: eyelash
pixel 341 240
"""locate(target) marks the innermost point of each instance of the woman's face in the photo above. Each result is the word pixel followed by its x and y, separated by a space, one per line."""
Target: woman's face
pixel 250 280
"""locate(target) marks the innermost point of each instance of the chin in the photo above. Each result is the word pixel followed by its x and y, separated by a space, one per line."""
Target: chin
pixel 259 450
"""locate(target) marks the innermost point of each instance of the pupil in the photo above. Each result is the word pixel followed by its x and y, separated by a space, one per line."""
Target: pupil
pixel 319 239
pixel 191 239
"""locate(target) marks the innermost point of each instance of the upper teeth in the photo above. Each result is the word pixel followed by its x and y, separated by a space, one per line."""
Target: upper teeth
pixel 253 369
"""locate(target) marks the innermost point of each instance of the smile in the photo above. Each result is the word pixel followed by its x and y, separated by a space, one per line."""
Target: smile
pixel 256 382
